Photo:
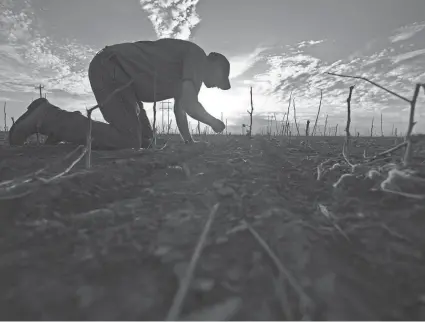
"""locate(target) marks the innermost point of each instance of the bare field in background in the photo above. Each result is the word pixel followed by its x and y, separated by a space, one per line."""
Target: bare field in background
pixel 115 241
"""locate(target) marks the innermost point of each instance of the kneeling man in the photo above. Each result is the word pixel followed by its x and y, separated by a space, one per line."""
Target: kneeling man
pixel 159 70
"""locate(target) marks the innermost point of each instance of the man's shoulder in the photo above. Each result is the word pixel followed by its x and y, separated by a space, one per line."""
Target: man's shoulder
pixel 180 43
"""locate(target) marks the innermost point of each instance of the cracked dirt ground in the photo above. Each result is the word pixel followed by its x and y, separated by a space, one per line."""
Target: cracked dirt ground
pixel 114 242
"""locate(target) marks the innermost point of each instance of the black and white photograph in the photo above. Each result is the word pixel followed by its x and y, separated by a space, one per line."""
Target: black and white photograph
pixel 212 160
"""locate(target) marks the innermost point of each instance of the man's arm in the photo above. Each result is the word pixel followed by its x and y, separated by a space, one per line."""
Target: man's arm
pixel 181 120
pixel 189 103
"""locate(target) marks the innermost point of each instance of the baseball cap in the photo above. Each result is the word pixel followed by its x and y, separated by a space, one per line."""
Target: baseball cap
pixel 225 65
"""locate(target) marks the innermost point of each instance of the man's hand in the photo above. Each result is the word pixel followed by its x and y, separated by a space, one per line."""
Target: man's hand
pixel 218 126
pixel 189 102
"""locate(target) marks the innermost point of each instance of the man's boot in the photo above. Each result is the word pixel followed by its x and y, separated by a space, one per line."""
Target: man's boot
pixel 47 119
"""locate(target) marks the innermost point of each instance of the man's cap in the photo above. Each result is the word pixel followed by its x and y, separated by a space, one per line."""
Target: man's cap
pixel 225 65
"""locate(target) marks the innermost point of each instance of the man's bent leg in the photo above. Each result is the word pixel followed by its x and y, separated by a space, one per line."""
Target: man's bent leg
pixel 47 119
pixel 121 111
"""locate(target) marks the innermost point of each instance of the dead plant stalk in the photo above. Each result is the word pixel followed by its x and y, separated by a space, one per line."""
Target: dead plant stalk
pixel 276 124
pixel 282 129
pixel 5 117
pixel 287 114
pixel 347 128
pixel 154 110
pixel 250 113
pixel 382 130
pixel 305 301
pixel 307 128
pixel 178 300
pixel 412 102
pixel 408 153
pixel 295 117
pixel 318 113
pixel 326 125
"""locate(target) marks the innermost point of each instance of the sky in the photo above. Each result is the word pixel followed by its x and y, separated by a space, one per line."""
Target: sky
pixel 275 46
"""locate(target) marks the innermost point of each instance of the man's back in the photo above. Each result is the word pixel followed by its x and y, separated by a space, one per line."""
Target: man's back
pixel 171 60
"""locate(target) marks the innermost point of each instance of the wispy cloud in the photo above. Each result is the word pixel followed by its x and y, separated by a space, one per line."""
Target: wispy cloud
pixel 172 18
pixel 242 63
pixel 408 55
pixel 407 32
pixel 308 43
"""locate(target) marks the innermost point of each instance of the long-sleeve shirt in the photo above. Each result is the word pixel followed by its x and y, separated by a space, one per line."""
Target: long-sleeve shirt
pixel 171 60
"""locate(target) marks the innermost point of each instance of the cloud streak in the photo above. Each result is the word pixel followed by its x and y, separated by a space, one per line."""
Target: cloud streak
pixel 407 32
pixel 242 63
pixel 308 43
pixel 172 18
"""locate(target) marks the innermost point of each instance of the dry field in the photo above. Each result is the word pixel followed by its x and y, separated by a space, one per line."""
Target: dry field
pixel 122 241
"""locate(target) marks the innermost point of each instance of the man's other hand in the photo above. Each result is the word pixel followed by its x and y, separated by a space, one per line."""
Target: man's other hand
pixel 218 126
